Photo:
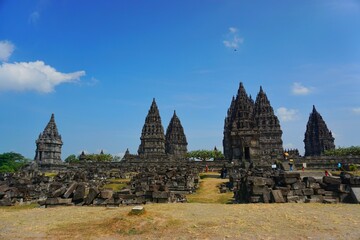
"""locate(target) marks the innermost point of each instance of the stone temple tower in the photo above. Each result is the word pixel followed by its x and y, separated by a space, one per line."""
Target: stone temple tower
pixel 318 138
pixel 241 136
pixel 251 131
pixel 270 141
pixel 48 145
pixel 152 135
pixel 175 139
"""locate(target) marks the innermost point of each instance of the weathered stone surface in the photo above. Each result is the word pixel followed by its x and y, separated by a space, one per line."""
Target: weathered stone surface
pixel 48 145
pixel 160 194
pixel 318 138
pixel 293 199
pixel 93 193
pixel 248 126
pixel 259 181
pixel 277 196
pixel 64 201
pixel 152 135
pixel 175 139
pixel 331 180
pixel 70 189
pixel 138 210
pixel 258 190
pixel 52 201
pixel 58 192
pixel 308 191
pixel 106 193
pixel 5 202
pixel 79 193
pixel 289 180
pixel 355 193
pixel 291 175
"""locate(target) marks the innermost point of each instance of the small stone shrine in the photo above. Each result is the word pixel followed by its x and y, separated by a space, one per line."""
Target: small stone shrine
pixel 318 138
pixel 175 139
pixel 48 145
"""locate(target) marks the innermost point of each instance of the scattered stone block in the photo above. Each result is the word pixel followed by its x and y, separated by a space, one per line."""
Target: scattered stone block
pixel 137 210
pixel 52 201
pixel 58 192
pixel 93 193
pixel 164 195
pixel 355 193
pixel 70 189
pixel 293 199
pixel 106 193
pixel 308 191
pixel 5 202
pixel 277 196
pixel 331 180
pixel 259 181
pixel 79 193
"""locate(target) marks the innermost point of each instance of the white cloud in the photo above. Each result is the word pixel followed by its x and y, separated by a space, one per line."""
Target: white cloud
pixel 233 29
pixel 233 40
pixel 287 115
pixel 34 17
pixel 22 76
pixel 6 49
pixel 36 76
pixel 298 89
pixel 356 110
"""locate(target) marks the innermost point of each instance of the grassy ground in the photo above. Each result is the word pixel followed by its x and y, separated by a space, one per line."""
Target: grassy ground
pixel 185 221
pixel 117 184
pixel 209 190
pixel 195 220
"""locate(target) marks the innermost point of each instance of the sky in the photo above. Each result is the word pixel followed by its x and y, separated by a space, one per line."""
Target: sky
pixel 97 65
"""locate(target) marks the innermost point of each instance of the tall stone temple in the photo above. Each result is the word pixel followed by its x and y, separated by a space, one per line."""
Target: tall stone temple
pixel 175 139
pixel 154 144
pixel 48 145
pixel 318 138
pixel 152 135
pixel 252 131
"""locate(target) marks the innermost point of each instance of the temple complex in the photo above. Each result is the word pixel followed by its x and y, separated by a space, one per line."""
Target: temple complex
pixel 318 138
pixel 152 135
pixel 175 139
pixel 48 145
pixel 251 131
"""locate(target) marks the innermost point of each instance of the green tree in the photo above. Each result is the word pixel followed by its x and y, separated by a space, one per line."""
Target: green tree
pixel 205 154
pixel 11 161
pixel 72 159
pixel 344 151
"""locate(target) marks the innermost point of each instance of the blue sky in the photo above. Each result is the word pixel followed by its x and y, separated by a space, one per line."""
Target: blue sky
pixel 98 64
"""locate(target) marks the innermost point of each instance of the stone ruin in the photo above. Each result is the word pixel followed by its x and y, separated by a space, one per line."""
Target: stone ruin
pixel 252 131
pixel 318 138
pixel 277 186
pixel 86 187
pixel 156 146
pixel 48 145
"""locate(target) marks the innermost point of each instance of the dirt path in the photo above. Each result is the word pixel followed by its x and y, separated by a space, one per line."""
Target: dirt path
pixel 209 190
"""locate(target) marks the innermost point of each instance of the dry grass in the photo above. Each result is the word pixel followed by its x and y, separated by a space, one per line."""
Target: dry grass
pixel 209 190
pixel 117 184
pixel 185 221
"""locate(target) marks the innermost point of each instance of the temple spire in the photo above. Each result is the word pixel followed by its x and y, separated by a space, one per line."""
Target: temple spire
pixel 175 139
pixel 318 138
pixel 48 145
pixel 152 135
